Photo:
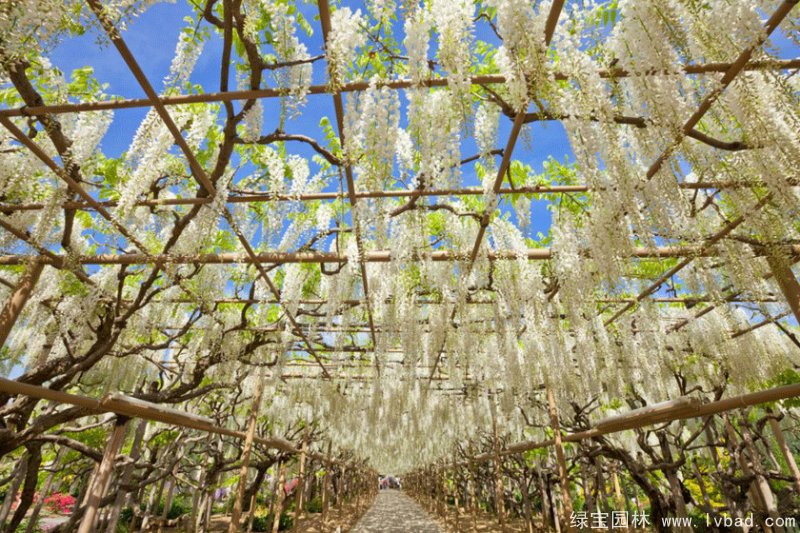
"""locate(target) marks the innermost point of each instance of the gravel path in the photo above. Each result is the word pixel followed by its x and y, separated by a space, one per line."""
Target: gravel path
pixel 394 512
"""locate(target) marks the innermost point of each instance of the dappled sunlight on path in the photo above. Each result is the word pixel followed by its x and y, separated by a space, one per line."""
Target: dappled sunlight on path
pixel 394 512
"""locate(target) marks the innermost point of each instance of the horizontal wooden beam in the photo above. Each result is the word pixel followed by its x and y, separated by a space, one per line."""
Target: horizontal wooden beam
pixel 380 256
pixel 679 409
pixel 355 86
pixel 688 300
pixel 134 408
pixel 11 207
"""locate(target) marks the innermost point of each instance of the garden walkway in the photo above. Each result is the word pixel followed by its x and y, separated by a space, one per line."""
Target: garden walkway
pixel 394 512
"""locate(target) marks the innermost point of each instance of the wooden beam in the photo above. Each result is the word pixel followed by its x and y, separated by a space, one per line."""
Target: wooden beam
pixel 361 85
pixel 370 256
pixel 134 408
pixel 642 418
pixel 398 193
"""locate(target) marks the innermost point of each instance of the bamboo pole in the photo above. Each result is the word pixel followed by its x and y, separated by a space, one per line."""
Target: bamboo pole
pixel 338 106
pixel 16 301
pixel 473 502
pixel 103 475
pixel 617 488
pixel 246 453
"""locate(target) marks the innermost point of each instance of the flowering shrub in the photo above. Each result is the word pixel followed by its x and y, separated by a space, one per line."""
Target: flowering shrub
pixel 60 503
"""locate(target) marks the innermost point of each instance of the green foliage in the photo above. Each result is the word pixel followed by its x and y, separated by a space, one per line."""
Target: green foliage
pixel 24 526
pixel 314 506
pixel 70 285
pixel 787 377
pixel 264 522
pixel 179 507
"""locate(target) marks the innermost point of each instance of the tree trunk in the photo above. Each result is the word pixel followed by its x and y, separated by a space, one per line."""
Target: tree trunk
pixel 777 432
pixel 48 485
pixel 29 488
pixel 20 473
pixel 675 485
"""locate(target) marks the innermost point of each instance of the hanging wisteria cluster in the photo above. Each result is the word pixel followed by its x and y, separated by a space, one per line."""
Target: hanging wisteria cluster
pixel 400 319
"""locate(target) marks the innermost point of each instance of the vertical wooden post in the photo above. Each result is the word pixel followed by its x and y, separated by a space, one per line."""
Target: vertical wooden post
pixel 301 481
pixel 251 516
pixel 473 502
pixel 127 473
pixel 325 497
pixel 443 495
pixel 782 270
pixel 556 511
pixel 281 494
pixel 340 486
pixel 455 486
pixel 103 475
pixel 563 476
pixel 498 480
pixel 15 302
pixel 246 453
pixel 617 488
pixel 787 453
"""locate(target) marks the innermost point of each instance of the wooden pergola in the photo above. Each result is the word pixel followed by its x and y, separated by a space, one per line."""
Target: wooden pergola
pixel 318 361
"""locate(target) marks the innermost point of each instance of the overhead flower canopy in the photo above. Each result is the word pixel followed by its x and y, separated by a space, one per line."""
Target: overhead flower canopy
pixel 352 210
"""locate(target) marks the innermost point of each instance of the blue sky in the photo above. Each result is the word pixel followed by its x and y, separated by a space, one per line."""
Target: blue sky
pixel 152 38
